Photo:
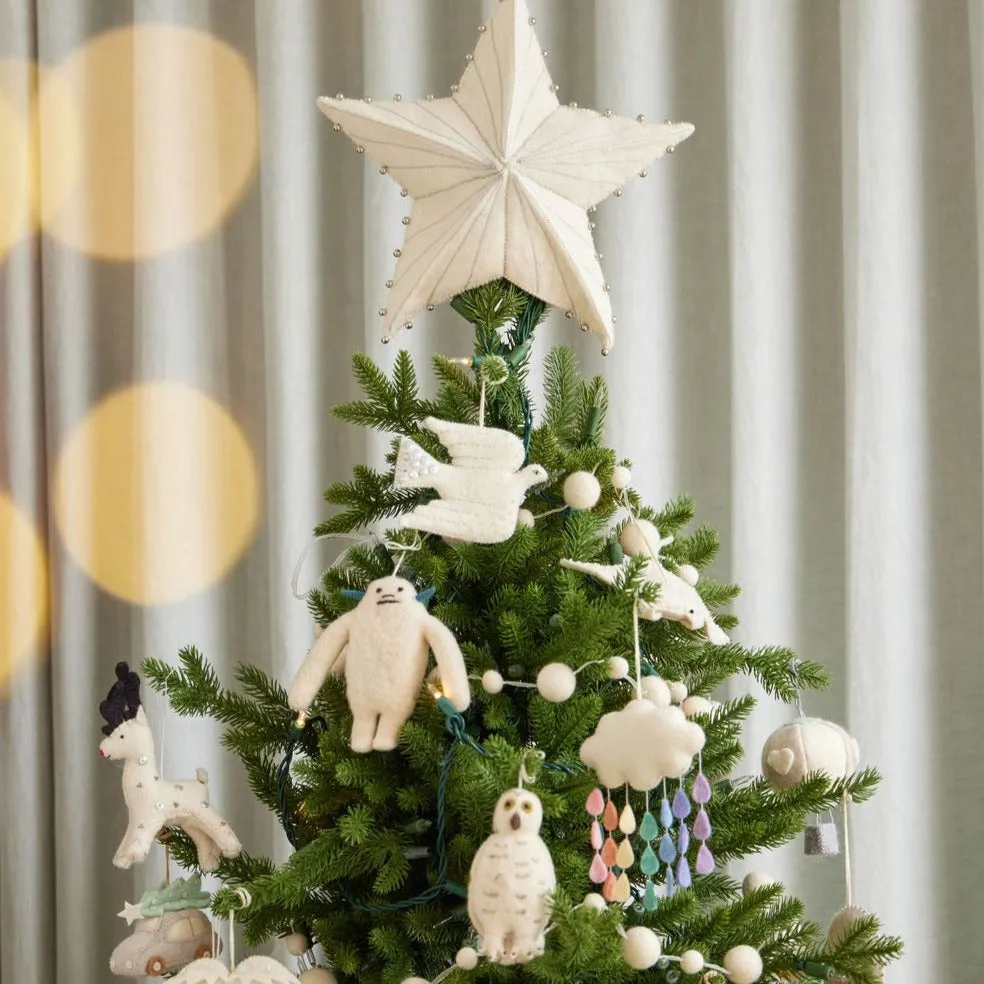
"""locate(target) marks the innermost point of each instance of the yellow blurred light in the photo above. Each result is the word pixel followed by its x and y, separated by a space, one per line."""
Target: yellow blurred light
pixel 18 82
pixel 156 493
pixel 154 128
pixel 23 590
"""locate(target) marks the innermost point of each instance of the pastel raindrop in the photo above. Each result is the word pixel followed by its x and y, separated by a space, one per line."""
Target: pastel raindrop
pixel 681 804
pixel 626 856
pixel 667 850
pixel 705 860
pixel 609 851
pixel 701 791
pixel 608 889
pixel 627 821
pixel 611 816
pixel 599 870
pixel 622 888
pixel 683 839
pixel 665 813
pixel 595 803
pixel 649 862
pixel 670 884
pixel 649 829
pixel 683 873
pixel 702 825
pixel 597 837
pixel 650 899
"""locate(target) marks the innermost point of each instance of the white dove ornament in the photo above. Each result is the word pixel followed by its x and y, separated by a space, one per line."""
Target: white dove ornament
pixel 382 648
pixel 480 491
pixel 677 600
pixel 512 877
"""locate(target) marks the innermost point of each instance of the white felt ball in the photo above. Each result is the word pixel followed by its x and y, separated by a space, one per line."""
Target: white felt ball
pixel 416 980
pixel 840 924
pixel 691 962
pixel 556 682
pixel 466 958
pixel 618 668
pixel 678 692
pixel 524 518
pixel 640 539
pixel 654 688
pixel 688 573
pixel 641 948
pixel 594 901
pixel 743 964
pixel 808 745
pixel 581 490
pixel 755 880
pixel 696 705
pixel 492 682
pixel 297 943
pixel 318 975
pixel 621 476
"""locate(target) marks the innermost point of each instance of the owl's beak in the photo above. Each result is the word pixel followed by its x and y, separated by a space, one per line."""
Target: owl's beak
pixel 515 821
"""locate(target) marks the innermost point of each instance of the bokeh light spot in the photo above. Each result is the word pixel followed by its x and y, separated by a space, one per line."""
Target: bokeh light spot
pixel 154 128
pixel 156 493
pixel 23 590
pixel 17 162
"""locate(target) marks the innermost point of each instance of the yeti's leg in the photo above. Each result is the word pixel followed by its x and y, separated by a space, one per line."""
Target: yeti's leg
pixel 363 730
pixel 493 946
pixel 388 731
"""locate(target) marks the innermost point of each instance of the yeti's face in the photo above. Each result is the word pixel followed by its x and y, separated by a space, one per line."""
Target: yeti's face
pixel 518 811
pixel 389 591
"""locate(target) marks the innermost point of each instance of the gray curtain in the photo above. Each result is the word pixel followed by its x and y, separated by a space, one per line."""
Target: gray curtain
pixel 799 304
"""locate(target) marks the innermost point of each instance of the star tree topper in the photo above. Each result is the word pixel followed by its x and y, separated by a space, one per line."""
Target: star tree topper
pixel 502 177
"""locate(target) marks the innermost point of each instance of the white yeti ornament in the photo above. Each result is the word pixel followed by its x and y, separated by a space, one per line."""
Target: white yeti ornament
pixel 511 880
pixel 480 491
pixel 677 600
pixel 381 647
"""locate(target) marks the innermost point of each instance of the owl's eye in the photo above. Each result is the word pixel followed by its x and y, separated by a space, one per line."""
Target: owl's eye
pixel 509 804
pixel 527 807
pixel 379 590
pixel 400 588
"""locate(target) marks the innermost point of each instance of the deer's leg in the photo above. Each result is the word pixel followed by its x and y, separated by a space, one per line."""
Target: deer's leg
pixel 205 845
pixel 136 844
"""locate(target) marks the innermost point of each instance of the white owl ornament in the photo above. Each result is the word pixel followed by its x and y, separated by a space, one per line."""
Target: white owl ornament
pixel 512 878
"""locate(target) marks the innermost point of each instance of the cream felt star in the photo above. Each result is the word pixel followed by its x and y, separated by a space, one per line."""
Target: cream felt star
pixel 502 176
pixel 131 912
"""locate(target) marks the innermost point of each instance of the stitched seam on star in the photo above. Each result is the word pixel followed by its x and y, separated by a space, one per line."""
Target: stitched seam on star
pixel 532 91
pixel 429 135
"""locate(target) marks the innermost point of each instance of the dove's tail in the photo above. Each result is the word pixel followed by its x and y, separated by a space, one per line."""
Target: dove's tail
pixel 415 468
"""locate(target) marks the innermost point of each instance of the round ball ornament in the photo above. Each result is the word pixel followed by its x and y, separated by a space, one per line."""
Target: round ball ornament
pixel 525 518
pixel 581 490
pixel 691 962
pixel 317 975
pixel 678 692
pixel 416 980
pixel 641 948
pixel 755 880
pixel 808 745
pixel 618 668
pixel 743 964
pixel 839 926
pixel 492 682
pixel 596 901
pixel 621 476
pixel 297 944
pixel 640 538
pixel 696 705
pixel 655 688
pixel 467 958
pixel 556 682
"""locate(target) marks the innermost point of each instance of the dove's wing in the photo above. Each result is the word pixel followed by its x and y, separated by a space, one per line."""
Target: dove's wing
pixel 472 522
pixel 261 970
pixel 607 573
pixel 472 446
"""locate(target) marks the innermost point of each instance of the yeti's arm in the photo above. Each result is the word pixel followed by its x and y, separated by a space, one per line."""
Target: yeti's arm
pixel 319 662
pixel 450 662
pixel 606 573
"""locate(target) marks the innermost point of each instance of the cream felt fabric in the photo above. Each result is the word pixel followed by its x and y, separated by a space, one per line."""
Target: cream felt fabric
pixel 502 175
pixel 252 970
pixel 155 803
pixel 808 745
pixel 163 943
pixel 512 876
pixel 677 599
pixel 382 647
pixel 481 490
pixel 642 745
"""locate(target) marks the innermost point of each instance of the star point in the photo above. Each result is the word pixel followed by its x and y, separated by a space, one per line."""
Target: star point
pixel 131 912
pixel 502 177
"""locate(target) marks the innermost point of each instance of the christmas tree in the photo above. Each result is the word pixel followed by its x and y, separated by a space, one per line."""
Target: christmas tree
pixel 501 758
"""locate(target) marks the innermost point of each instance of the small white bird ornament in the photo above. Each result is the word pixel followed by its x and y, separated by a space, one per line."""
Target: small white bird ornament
pixel 382 648
pixel 677 600
pixel 511 880
pixel 481 491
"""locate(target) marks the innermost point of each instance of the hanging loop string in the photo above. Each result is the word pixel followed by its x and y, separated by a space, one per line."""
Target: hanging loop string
pixel 524 774
pixel 848 875
pixel 247 900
